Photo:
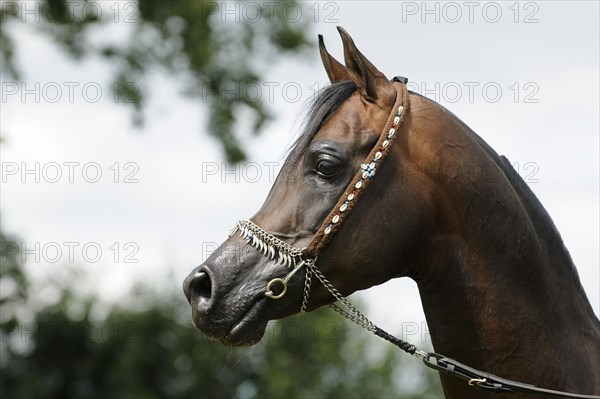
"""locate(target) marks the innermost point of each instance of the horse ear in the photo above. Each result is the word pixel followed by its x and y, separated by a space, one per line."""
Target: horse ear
pixel 335 70
pixel 372 84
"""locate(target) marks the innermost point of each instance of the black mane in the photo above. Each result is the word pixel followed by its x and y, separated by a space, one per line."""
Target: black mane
pixel 328 100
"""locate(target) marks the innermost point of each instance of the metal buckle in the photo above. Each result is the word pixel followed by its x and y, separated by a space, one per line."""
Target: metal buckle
pixel 421 354
pixel 477 381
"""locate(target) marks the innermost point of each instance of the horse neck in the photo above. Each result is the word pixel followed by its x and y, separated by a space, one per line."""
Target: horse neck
pixel 498 287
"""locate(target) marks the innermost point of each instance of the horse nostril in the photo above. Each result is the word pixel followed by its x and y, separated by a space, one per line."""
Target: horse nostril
pixel 198 288
pixel 202 286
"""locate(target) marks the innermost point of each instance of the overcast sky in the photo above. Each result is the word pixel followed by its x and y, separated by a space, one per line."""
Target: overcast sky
pixel 523 76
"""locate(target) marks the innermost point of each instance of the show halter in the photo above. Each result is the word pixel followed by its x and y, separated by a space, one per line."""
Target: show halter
pixel 283 253
pixel 290 256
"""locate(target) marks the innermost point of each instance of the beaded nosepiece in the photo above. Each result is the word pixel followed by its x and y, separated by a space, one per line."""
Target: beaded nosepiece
pixel 279 251
pixel 267 244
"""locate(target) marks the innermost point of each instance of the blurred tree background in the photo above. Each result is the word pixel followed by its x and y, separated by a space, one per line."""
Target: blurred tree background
pixel 145 347
pixel 214 48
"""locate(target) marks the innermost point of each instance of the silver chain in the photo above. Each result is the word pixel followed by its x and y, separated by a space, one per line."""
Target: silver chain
pixel 351 313
pixel 263 241
pixel 267 244
pixel 249 229
pixel 307 281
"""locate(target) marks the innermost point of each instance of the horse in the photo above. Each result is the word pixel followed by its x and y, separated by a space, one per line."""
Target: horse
pixel 499 289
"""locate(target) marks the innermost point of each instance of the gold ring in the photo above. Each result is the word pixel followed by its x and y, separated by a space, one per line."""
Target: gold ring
pixel 269 291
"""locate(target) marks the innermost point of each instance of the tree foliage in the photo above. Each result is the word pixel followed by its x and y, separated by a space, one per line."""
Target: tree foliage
pixel 200 44
pixel 148 349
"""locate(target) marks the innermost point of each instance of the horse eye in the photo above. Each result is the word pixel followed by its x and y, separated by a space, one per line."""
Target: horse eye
pixel 326 168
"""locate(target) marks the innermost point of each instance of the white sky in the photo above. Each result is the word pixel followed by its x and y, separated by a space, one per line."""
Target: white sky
pixel 174 214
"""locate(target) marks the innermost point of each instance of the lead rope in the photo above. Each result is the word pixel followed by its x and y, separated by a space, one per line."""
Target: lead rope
pixel 354 315
pixel 474 377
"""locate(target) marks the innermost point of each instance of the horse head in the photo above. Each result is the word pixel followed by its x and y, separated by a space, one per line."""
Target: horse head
pixel 227 292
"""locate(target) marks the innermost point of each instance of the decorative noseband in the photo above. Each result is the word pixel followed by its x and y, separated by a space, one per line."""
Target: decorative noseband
pixel 290 256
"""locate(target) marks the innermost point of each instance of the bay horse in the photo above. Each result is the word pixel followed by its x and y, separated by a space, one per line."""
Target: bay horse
pixel 498 287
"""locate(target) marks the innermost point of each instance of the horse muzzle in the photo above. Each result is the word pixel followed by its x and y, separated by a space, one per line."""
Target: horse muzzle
pixel 226 303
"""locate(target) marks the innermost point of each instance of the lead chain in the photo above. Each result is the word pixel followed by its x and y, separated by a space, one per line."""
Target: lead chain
pixel 352 313
pixel 307 282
